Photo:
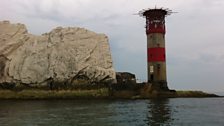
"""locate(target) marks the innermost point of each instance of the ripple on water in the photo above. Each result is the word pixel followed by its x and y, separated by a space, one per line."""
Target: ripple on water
pixel 178 111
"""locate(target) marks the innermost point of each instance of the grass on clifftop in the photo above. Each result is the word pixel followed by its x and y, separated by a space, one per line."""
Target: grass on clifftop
pixel 194 94
pixel 51 94
pixel 96 94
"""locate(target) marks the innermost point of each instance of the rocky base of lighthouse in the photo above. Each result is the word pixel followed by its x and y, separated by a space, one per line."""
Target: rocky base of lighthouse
pixel 160 86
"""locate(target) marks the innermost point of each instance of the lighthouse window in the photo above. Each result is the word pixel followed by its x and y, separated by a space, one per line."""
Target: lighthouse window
pixel 158 66
pixel 158 69
pixel 151 69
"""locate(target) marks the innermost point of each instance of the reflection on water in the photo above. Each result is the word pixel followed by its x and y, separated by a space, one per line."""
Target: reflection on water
pixel 159 112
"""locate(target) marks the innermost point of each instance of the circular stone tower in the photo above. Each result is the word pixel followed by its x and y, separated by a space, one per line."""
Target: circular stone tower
pixel 156 52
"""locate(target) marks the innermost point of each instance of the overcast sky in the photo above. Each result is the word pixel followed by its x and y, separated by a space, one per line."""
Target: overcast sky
pixel 194 38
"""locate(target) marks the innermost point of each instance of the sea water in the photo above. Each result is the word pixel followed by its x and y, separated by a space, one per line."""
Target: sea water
pixel 149 112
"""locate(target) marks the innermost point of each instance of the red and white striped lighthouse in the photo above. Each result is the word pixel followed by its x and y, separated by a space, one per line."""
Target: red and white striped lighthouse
pixel 156 51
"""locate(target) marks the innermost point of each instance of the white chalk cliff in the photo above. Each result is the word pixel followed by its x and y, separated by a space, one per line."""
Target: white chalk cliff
pixel 60 55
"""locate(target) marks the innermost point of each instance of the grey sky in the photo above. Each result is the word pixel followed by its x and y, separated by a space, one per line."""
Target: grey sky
pixel 194 39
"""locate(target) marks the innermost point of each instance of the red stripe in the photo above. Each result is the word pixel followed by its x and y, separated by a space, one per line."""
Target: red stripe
pixel 155 30
pixel 156 54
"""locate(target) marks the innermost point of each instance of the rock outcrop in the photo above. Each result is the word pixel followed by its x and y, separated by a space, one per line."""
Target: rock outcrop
pixel 62 55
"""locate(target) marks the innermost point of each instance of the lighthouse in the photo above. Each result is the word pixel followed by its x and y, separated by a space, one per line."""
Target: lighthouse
pixel 156 49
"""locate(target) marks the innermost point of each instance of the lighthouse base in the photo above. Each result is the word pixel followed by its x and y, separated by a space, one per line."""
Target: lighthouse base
pixel 160 86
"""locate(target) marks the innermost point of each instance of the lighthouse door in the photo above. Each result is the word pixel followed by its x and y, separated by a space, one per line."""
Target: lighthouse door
pixel 151 77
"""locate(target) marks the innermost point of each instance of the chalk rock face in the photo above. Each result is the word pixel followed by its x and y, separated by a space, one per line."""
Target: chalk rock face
pixel 60 55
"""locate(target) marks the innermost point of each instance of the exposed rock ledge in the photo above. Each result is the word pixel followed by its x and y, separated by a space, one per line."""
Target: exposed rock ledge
pixel 62 55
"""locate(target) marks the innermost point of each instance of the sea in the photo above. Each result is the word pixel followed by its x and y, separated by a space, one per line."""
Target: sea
pixel 148 112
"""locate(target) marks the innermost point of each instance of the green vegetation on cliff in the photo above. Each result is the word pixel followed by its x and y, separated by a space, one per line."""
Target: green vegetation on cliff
pixel 96 94
pixel 97 91
pixel 53 94
pixel 194 94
